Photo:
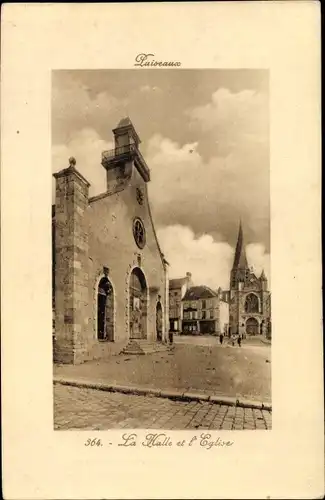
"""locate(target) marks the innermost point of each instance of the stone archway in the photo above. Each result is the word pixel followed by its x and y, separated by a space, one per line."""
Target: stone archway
pixel 138 304
pixel 252 326
pixel 159 321
pixel 105 310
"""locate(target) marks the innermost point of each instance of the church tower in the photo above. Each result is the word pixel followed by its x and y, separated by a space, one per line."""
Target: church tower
pixel 119 162
pixel 249 311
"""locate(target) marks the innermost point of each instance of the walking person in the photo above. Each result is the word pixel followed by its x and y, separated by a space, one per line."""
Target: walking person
pixel 239 339
pixel 233 339
pixel 221 338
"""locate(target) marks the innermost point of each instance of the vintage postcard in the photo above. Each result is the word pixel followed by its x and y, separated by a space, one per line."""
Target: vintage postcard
pixel 161 251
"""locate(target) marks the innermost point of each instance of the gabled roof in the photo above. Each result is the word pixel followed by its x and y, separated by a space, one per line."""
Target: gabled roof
pixel 199 292
pixel 177 282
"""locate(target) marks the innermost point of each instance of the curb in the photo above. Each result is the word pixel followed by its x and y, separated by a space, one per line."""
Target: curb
pixel 176 395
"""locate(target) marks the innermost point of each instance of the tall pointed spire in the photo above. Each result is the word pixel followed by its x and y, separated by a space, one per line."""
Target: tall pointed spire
pixel 240 261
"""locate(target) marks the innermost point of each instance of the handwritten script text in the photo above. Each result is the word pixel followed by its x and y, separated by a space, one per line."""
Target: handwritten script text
pixel 146 60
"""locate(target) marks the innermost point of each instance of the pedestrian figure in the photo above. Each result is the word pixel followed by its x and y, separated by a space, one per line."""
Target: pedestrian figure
pixel 233 339
pixel 239 340
pixel 221 338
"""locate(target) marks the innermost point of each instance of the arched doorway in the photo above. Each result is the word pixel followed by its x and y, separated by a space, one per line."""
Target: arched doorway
pixel 159 321
pixel 138 305
pixel 252 326
pixel 105 310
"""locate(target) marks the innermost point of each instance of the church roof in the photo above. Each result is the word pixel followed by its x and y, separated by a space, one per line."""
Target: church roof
pixel 177 282
pixel 240 260
pixel 199 292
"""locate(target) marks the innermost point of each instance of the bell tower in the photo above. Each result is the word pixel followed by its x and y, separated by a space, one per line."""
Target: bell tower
pixel 238 277
pixel 118 162
pixel 249 310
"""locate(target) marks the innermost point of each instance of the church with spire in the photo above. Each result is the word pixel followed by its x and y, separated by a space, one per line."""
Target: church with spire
pixel 249 298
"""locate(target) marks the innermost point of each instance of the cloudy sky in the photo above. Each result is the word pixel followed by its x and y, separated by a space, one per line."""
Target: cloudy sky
pixel 205 137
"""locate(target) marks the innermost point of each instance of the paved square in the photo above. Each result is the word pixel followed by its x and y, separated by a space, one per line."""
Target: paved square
pixel 195 365
pixel 76 408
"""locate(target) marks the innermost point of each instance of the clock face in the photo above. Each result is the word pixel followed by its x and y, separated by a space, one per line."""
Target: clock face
pixel 139 232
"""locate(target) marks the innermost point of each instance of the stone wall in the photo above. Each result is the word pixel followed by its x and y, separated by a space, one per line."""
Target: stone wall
pixel 71 266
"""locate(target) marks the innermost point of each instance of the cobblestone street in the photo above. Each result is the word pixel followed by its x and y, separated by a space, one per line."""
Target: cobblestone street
pixel 76 408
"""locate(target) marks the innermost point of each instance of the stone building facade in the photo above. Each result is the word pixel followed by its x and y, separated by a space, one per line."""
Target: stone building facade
pixel 250 300
pixel 177 290
pixel 110 276
pixel 201 311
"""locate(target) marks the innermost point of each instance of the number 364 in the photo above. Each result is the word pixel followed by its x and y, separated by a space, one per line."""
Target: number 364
pixel 93 442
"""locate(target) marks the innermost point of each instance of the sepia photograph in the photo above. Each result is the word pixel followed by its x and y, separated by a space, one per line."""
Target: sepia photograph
pixel 161 300
pixel 161 284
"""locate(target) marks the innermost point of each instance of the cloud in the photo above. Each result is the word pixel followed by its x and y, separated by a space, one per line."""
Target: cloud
pixel 76 106
pixel 236 120
pixel 149 88
pixel 86 146
pixel 208 195
pixel 223 176
pixel 208 261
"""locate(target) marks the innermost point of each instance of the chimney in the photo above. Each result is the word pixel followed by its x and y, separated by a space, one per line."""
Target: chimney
pixel 188 279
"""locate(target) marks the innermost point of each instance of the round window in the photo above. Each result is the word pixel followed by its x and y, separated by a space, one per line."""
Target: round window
pixel 139 233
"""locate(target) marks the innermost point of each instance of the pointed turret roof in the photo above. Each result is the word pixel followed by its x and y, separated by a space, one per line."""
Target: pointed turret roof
pixel 263 277
pixel 240 261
